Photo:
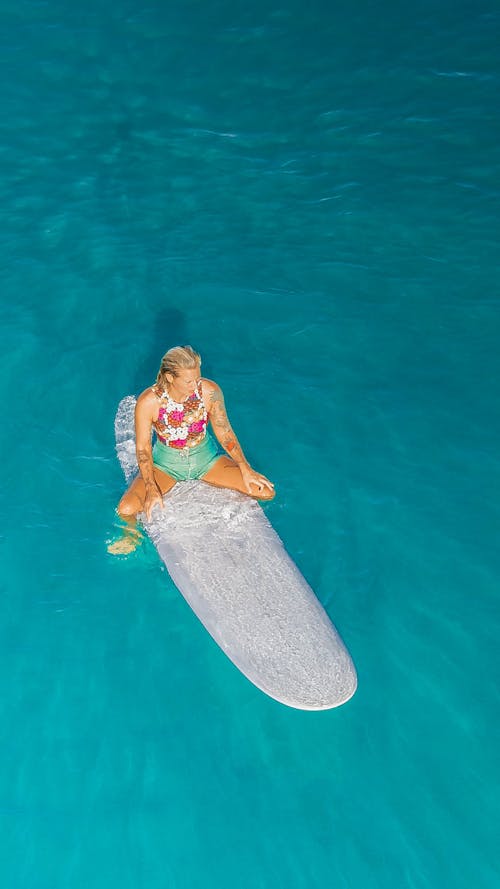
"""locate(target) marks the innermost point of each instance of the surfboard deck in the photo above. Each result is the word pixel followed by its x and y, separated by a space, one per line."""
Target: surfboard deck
pixel 233 570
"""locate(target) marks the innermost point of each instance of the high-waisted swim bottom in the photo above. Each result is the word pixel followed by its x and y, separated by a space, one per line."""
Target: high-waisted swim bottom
pixel 186 463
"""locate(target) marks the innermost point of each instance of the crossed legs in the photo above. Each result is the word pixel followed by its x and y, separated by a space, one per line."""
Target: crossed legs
pixel 225 473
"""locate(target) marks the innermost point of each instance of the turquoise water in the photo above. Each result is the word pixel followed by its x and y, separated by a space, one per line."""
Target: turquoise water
pixel 310 197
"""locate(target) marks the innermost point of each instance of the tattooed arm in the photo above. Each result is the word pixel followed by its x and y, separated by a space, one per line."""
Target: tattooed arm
pixel 144 415
pixel 222 427
pixel 225 435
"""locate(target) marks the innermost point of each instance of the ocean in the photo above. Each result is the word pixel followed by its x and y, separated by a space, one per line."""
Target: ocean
pixel 308 194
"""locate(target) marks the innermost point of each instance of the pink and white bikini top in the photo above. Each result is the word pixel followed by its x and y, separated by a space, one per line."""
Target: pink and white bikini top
pixel 181 424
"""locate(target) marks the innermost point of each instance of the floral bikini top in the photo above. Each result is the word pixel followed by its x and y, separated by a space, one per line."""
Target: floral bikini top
pixel 181 425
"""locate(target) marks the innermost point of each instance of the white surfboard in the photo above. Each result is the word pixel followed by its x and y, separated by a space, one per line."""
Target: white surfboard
pixel 231 567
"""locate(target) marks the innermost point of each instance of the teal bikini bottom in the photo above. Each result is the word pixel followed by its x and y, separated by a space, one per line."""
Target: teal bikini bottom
pixel 186 463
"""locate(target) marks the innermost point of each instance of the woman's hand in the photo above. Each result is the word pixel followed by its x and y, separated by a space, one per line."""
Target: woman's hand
pixel 153 498
pixel 255 483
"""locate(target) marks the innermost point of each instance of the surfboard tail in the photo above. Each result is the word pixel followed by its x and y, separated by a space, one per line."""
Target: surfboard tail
pixel 125 437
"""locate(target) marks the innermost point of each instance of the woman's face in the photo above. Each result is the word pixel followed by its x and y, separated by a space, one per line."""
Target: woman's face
pixel 185 382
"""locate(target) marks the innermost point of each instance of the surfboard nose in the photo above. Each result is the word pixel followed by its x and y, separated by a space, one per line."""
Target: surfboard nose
pixel 326 692
pixel 311 670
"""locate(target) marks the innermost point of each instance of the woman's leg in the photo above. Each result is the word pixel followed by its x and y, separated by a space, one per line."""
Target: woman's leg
pixel 225 473
pixel 131 503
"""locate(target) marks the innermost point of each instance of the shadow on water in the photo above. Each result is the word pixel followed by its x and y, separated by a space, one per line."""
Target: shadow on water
pixel 169 329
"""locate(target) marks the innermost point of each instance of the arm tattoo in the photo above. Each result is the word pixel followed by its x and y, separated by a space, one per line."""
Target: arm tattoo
pixel 222 427
pixel 145 464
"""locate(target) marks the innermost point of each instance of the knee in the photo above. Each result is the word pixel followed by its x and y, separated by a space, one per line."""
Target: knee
pixel 128 507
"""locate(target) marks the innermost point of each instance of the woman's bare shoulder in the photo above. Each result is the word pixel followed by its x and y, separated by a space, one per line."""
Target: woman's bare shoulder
pixel 148 398
pixel 209 386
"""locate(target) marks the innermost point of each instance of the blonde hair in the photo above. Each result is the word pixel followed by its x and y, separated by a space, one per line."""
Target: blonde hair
pixel 177 358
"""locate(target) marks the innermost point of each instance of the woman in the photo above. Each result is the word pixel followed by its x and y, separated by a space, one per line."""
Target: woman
pixel 178 408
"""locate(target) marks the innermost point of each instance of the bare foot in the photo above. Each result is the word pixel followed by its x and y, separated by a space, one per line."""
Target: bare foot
pixel 126 544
